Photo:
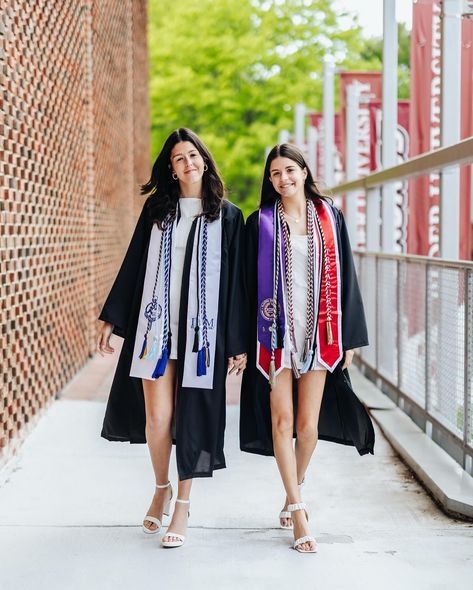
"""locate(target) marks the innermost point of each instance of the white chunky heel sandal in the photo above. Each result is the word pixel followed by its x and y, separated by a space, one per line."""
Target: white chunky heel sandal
pixel 166 511
pixel 287 514
pixel 180 538
pixel 307 538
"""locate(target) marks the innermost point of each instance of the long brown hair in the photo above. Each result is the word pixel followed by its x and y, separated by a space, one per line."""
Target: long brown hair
pixel 288 150
pixel 165 190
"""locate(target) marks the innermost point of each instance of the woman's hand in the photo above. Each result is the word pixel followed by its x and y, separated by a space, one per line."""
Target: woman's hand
pixel 103 342
pixel 237 363
pixel 348 358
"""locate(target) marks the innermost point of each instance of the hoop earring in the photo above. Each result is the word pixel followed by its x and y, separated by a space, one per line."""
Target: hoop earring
pixel 174 175
pixel 205 167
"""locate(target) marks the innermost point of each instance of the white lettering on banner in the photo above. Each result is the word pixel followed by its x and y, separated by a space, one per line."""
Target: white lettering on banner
pixel 363 162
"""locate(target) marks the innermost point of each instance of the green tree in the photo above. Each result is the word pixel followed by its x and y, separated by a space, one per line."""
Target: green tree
pixel 232 71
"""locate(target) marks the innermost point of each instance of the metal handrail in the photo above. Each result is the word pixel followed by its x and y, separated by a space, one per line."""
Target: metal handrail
pixel 457 154
pixel 444 262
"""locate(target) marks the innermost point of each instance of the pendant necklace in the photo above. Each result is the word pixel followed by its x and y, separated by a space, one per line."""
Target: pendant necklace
pixel 292 217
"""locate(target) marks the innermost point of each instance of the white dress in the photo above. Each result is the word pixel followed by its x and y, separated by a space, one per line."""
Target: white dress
pixel 189 208
pixel 299 264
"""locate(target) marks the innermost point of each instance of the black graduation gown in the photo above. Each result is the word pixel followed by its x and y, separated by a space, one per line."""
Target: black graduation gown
pixel 343 418
pixel 199 415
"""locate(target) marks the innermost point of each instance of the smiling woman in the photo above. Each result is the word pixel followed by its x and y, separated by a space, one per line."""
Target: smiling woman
pixel 178 302
pixel 305 318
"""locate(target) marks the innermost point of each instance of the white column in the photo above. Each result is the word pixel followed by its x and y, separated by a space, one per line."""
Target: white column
pixel 353 105
pixel 299 125
pixel 389 129
pixel 283 136
pixel 450 127
pixel 373 243
pixel 329 120
pixel 312 139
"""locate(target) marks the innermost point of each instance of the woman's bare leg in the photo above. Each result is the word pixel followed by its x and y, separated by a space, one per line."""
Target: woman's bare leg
pixel 282 419
pixel 159 403
pixel 310 393
pixel 311 390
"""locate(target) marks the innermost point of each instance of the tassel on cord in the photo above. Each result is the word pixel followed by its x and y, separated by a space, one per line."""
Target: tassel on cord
pixel 201 366
pixel 329 333
pixel 272 372
pixel 207 355
pixel 305 351
pixel 195 346
pixel 144 348
pixel 295 370
pixel 161 365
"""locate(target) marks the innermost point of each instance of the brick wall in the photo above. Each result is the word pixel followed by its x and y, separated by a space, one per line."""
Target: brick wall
pixel 74 146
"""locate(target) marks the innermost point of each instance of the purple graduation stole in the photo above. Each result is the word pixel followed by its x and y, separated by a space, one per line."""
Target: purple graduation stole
pixel 270 329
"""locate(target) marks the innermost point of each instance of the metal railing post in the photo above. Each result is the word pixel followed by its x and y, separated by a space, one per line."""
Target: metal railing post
pixel 467 418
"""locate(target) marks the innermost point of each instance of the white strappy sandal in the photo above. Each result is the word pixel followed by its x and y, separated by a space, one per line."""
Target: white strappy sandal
pixel 181 538
pixel 307 538
pixel 166 511
pixel 287 514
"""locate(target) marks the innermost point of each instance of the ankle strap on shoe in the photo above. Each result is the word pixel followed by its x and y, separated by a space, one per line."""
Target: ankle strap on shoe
pixel 294 507
pixel 164 485
pixel 183 501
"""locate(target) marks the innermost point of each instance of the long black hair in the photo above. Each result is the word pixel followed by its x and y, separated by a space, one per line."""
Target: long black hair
pixel 288 150
pixel 165 190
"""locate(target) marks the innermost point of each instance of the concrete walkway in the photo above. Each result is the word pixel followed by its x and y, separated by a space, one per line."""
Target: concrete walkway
pixel 71 505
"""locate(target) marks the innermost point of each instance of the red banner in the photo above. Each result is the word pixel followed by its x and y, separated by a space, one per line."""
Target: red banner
pixel 424 192
pixel 402 142
pixel 466 122
pixel 370 88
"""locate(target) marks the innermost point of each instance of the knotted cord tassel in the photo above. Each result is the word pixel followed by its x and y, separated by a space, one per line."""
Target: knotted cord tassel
pixel 195 346
pixel 295 370
pixel 272 372
pixel 329 333
pixel 201 365
pixel 305 351
pixel 207 356
pixel 161 365
pixel 153 353
pixel 144 348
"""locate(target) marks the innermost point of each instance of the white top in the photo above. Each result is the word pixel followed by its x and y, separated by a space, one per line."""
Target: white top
pixel 190 207
pixel 299 265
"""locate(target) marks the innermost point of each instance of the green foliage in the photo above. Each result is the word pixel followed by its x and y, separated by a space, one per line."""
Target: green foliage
pixel 372 55
pixel 232 70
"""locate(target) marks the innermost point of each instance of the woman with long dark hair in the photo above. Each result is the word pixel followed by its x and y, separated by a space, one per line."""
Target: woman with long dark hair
pixel 305 318
pixel 177 302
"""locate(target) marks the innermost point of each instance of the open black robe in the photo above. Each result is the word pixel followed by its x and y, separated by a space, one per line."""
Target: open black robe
pixel 199 415
pixel 343 418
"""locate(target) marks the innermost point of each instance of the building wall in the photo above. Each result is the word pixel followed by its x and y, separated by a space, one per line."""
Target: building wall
pixel 74 147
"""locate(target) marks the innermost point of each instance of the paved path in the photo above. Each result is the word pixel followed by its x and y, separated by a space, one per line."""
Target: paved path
pixel 71 506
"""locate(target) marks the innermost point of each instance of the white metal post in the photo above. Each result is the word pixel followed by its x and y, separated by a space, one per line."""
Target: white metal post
pixel 353 105
pixel 450 127
pixel 329 120
pixel 389 148
pixel 373 243
pixel 283 136
pixel 312 140
pixel 299 125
